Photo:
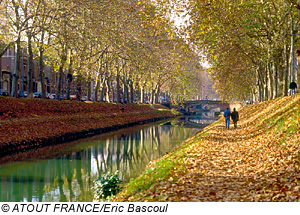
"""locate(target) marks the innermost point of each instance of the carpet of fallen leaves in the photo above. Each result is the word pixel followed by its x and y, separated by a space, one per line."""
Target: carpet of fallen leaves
pixel 258 161
pixel 32 123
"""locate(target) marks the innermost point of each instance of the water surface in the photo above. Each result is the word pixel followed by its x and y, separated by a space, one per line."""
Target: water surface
pixel 66 173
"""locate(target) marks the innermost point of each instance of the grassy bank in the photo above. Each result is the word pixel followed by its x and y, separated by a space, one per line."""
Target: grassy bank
pixel 258 161
pixel 32 123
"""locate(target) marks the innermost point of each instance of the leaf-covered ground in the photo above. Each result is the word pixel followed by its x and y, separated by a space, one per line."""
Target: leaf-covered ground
pixel 33 123
pixel 258 161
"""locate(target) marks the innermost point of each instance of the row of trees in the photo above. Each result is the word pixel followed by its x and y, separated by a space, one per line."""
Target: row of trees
pixel 133 44
pixel 251 45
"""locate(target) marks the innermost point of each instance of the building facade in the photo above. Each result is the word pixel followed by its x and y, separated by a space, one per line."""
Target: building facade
pixel 7 66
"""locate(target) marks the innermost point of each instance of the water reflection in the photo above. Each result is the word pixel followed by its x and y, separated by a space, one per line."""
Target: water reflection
pixel 200 120
pixel 70 177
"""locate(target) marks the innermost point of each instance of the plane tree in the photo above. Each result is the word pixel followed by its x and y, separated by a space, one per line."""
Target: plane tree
pixel 126 48
pixel 247 44
pixel 15 22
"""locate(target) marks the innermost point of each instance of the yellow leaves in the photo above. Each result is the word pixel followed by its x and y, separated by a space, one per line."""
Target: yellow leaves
pixel 243 164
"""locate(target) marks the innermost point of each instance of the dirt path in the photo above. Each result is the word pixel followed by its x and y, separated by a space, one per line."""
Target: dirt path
pixel 243 164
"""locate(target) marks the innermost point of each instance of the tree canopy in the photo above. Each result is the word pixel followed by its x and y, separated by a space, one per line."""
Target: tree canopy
pixel 149 47
pixel 250 45
pixel 103 46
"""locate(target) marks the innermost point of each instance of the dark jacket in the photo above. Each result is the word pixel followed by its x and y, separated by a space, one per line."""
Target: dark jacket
pixel 293 85
pixel 235 116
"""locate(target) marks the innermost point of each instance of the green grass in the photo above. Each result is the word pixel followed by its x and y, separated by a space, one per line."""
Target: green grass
pixel 161 170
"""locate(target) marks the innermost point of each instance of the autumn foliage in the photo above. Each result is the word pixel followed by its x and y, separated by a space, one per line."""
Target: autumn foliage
pixel 31 123
pixel 258 161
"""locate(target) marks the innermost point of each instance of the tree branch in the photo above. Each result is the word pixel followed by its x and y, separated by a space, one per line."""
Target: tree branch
pixel 5 48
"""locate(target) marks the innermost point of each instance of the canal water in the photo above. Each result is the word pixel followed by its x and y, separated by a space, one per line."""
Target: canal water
pixel 66 172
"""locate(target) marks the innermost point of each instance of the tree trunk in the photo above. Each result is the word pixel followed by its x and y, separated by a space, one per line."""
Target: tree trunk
pixel 59 81
pixel 29 68
pixel 260 90
pixel 292 51
pixel 152 96
pixel 68 88
pixel 79 87
pixel 101 93
pixel 99 82
pixel 118 98
pixel 126 92
pixel 107 90
pixel 286 72
pixel 157 94
pixel 15 75
pixel 280 80
pixel 41 71
pixel 63 59
pixel 132 96
pixel 298 72
pixel 260 78
pixel 275 79
pixel 96 89
pixel 142 95
pixel 271 80
pixel 89 87
pixel 266 96
pixel 138 92
pixel 69 77
pixel 99 86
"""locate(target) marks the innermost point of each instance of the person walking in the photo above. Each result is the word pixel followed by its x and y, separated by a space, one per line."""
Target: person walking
pixel 227 114
pixel 293 86
pixel 235 117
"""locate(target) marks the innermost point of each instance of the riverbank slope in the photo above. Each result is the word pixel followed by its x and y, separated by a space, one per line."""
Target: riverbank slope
pixel 33 123
pixel 258 161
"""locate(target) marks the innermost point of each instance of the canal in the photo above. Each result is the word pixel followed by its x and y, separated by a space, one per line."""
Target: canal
pixel 66 172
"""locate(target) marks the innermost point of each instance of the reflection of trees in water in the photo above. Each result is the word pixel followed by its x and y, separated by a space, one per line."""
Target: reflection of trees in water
pixel 199 120
pixel 70 177
pixel 63 179
pixel 130 153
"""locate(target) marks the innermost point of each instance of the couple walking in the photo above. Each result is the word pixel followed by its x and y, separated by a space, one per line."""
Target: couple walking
pixel 234 116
